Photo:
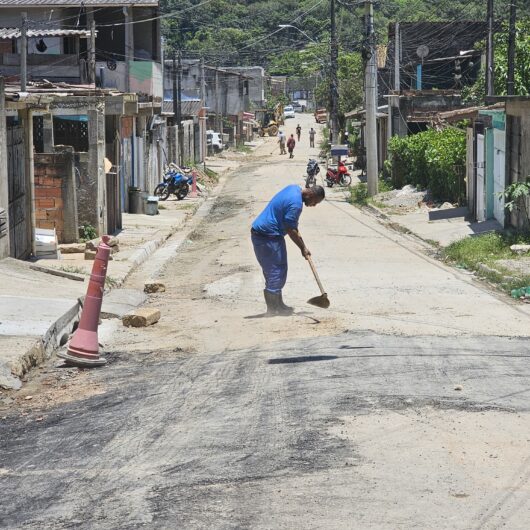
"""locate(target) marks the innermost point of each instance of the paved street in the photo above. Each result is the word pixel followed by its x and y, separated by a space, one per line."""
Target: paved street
pixel 405 405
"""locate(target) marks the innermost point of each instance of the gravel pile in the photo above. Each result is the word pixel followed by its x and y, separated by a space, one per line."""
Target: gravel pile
pixel 407 197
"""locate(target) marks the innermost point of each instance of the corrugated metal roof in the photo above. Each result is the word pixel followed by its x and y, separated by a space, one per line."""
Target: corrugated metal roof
pixel 76 3
pixel 14 33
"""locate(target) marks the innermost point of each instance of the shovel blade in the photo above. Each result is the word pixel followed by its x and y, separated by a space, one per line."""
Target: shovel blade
pixel 320 301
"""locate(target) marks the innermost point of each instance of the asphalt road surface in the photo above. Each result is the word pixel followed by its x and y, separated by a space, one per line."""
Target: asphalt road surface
pixel 406 405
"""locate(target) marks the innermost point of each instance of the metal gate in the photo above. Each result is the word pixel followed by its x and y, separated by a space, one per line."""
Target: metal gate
pixel 19 233
pixel 113 203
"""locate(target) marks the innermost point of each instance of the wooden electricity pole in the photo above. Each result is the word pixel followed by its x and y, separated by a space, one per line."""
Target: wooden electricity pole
pixel 334 82
pixel 489 51
pixel 371 103
pixel 510 83
pixel 24 53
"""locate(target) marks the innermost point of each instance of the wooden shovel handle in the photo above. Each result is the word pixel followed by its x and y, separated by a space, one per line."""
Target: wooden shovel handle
pixel 311 264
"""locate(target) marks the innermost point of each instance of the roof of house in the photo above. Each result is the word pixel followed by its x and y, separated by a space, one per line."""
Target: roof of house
pixel 14 33
pixel 75 3
pixel 466 113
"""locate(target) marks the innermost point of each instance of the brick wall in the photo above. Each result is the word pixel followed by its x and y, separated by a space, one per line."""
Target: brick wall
pixel 54 195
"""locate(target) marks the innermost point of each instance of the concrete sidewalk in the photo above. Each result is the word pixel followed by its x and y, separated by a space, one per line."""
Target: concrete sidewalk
pixel 442 227
pixel 40 302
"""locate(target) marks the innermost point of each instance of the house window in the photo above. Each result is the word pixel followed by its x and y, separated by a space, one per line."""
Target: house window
pixel 245 88
pixel 69 47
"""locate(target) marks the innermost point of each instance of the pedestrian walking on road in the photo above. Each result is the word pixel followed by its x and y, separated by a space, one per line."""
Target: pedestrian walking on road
pixel 290 146
pixel 281 141
pixel 278 219
pixel 312 133
pixel 298 131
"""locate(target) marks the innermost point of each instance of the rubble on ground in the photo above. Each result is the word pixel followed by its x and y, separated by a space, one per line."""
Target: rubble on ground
pixel 406 199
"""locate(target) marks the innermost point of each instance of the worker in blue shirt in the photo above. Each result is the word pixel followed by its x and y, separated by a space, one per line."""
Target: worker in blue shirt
pixel 280 218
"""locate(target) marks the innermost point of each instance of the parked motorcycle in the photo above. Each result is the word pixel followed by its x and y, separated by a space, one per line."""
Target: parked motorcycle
pixel 312 171
pixel 174 183
pixel 338 176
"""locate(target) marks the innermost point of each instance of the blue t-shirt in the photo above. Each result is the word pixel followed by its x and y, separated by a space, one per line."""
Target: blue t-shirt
pixel 282 212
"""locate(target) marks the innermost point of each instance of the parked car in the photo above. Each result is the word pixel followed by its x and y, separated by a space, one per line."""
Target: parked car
pixel 288 112
pixel 297 107
pixel 214 141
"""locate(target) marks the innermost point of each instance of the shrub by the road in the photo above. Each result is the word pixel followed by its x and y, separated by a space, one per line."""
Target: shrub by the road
pixel 431 159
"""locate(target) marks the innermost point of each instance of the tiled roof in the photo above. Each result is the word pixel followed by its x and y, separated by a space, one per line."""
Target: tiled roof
pixel 14 33
pixel 75 3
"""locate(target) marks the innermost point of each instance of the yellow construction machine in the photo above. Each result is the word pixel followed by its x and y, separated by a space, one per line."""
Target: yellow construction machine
pixel 269 120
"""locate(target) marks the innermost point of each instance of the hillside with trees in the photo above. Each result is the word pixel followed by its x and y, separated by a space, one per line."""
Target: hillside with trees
pixel 245 32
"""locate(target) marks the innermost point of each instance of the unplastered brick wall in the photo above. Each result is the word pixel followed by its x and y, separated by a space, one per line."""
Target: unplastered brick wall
pixel 53 195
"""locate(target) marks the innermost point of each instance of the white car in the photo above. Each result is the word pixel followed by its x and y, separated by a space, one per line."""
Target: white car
pixel 288 112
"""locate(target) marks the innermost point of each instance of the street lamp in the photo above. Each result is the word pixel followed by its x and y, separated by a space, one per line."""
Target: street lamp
pixel 283 26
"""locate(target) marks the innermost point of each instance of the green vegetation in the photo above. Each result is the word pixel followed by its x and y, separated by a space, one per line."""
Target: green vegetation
pixel 516 195
pixel 246 32
pixel 359 194
pixel 475 94
pixel 431 159
pixel 72 269
pixel 242 148
pixel 111 283
pixel 481 253
pixel 211 174
pixel 86 233
pixel 470 251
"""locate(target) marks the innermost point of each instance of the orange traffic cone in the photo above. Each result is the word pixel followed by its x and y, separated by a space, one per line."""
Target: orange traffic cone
pixel 83 348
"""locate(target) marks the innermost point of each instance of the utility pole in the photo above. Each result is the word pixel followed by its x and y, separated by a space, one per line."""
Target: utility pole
pixel 217 100
pixel 92 65
pixel 179 109
pixel 510 84
pixel 203 116
pixel 489 51
pixel 371 102
pixel 174 86
pixel 203 83
pixel 24 53
pixel 175 102
pixel 393 101
pixel 334 84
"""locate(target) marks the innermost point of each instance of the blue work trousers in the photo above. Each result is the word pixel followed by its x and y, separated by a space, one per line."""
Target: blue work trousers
pixel 271 253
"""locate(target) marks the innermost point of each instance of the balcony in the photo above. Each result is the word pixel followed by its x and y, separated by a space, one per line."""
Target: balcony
pixel 145 77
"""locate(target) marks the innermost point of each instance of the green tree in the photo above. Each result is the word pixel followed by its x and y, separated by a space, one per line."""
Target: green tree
pixel 475 93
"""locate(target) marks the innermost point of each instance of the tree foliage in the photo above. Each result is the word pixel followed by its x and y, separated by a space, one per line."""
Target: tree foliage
pixel 431 159
pixel 246 32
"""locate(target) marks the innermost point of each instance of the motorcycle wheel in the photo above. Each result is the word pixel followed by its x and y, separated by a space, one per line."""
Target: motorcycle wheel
pixel 329 183
pixel 309 182
pixel 162 191
pixel 345 180
pixel 182 192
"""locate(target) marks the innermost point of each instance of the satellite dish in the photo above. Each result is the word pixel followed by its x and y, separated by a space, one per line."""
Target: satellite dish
pixel 422 51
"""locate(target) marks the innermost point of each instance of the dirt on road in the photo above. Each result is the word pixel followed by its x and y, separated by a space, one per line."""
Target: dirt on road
pixel 402 406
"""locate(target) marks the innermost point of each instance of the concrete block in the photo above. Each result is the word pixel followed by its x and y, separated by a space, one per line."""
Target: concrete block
pixel 153 286
pixel 93 243
pixel 120 302
pixel 520 249
pixel 72 248
pixel 7 380
pixel 142 317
